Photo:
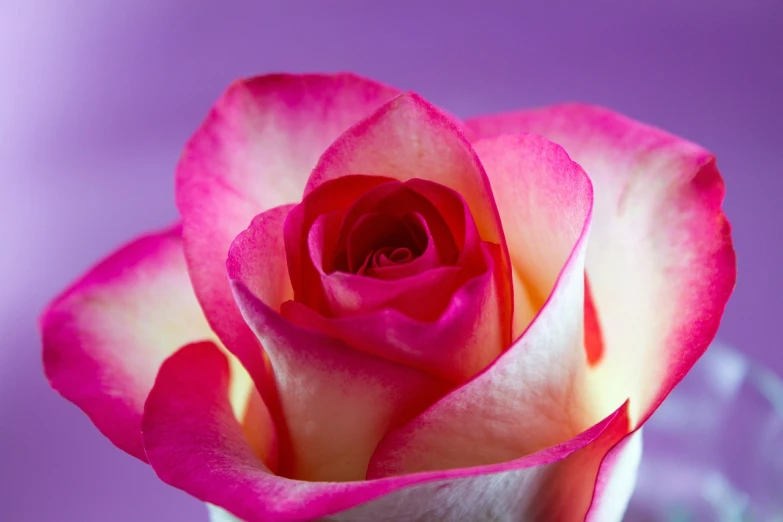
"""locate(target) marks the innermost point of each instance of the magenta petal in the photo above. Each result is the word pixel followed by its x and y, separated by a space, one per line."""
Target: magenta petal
pixel 408 138
pixel 449 321
pixel 195 443
pixel 661 264
pixel 375 231
pixel 422 296
pixel 330 202
pixel 463 339
pixel 336 402
pixel 445 214
pixel 254 151
pixel 455 212
pixel 106 336
pixel 400 262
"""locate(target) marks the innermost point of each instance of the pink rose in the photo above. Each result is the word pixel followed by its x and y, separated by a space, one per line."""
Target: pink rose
pixel 373 311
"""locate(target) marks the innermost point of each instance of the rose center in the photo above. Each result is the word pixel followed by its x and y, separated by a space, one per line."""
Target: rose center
pixel 379 240
pixel 388 256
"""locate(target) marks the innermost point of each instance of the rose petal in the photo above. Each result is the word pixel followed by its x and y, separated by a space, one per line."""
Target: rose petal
pixel 105 337
pixel 445 218
pixel 448 321
pixel 463 339
pixel 661 264
pixel 378 230
pixel 322 223
pixel 530 398
pixel 422 296
pixel 332 199
pixel 409 138
pixel 194 443
pixel 336 403
pixel 454 210
pixel 616 480
pixel 95 352
pixel 537 487
pixel 543 198
pixel 392 263
pixel 253 152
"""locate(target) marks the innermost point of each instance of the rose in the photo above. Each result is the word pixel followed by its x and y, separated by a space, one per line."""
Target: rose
pixel 458 322
pixel 440 340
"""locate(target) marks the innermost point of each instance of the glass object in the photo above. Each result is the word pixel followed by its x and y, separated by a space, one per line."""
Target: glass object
pixel 714 449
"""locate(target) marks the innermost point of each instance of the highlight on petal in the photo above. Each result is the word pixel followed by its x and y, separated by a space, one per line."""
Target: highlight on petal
pixel 409 138
pixel 661 265
pixel 337 403
pixel 106 336
pixel 531 398
pixel 195 443
pixel 254 151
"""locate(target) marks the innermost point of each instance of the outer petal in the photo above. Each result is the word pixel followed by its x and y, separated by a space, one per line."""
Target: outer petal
pixel 616 480
pixel 409 138
pixel 337 403
pixel 661 263
pixel 194 443
pixel 255 151
pixel 543 198
pixel 106 336
pixel 533 488
pixel 531 397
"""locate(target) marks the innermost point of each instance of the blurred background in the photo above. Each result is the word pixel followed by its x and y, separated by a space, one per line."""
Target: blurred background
pixel 98 97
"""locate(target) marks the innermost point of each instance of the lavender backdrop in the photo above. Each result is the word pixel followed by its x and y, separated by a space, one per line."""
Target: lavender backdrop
pixel 97 98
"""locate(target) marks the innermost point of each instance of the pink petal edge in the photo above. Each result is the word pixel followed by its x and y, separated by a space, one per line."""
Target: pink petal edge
pixel 661 264
pixel 94 352
pixel 254 151
pixel 194 442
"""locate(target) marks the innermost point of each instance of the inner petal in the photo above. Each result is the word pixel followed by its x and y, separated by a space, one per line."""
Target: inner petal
pixel 398 262
pixel 424 220
pixel 391 256
pixel 376 232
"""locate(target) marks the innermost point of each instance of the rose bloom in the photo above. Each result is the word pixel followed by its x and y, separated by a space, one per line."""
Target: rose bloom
pixel 372 311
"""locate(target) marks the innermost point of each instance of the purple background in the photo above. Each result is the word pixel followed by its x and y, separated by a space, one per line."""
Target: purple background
pixel 97 98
